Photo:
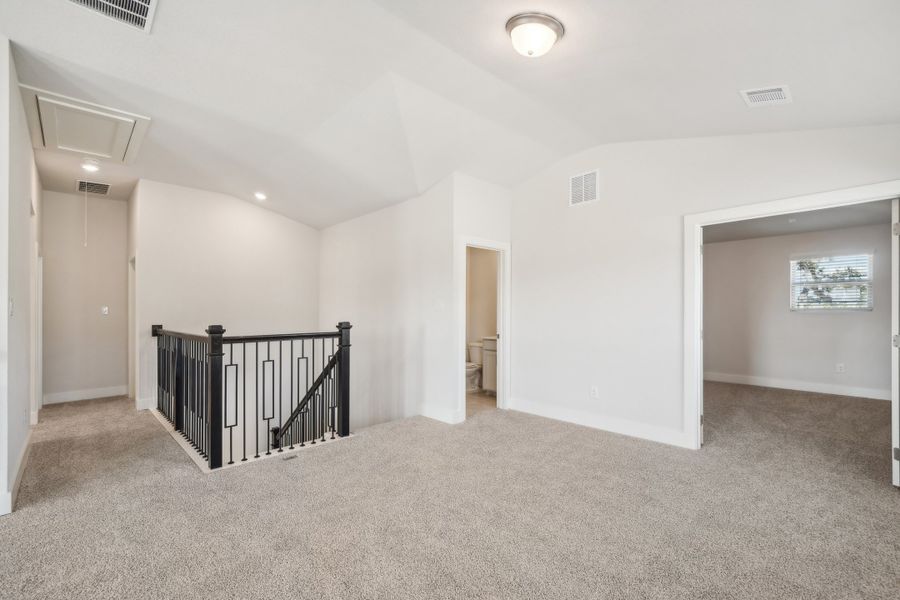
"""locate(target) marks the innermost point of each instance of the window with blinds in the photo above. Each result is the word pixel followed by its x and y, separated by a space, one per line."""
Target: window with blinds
pixel 832 283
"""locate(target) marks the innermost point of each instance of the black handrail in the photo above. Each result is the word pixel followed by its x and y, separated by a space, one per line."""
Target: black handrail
pixel 275 337
pixel 179 334
pixel 278 432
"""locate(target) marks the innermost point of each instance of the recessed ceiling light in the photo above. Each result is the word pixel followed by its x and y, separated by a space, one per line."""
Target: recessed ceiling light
pixel 90 165
pixel 260 196
pixel 534 34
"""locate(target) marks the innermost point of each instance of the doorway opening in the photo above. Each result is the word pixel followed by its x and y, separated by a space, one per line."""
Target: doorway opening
pixel 790 308
pixel 482 313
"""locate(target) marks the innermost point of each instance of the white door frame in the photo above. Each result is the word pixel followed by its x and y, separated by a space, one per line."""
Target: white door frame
pixel 37 341
pixel 895 351
pixel 503 318
pixel 693 288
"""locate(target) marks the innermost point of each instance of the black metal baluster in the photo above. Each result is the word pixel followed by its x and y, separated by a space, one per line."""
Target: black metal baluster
pixel 331 406
pixel 244 396
pixel 256 387
pixel 225 398
pixel 193 395
pixel 203 395
pixel 312 414
pixel 198 426
pixel 291 432
pixel 322 411
pixel 303 427
pixel 186 389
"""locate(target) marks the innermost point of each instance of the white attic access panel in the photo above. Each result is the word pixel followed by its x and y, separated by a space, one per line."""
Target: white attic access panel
pixel 76 129
pixel 61 123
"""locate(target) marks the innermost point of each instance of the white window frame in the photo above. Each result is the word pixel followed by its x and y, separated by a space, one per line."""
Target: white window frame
pixel 825 308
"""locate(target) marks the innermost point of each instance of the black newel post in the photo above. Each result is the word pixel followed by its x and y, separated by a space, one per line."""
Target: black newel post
pixel 215 406
pixel 156 331
pixel 344 380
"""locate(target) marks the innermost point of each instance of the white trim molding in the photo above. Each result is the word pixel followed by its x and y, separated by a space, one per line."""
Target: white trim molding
pixel 617 425
pixel 76 395
pixel 801 386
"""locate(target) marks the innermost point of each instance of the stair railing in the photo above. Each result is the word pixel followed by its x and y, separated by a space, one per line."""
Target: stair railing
pixel 225 394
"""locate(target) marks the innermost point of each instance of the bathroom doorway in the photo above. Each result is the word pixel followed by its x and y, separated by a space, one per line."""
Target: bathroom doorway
pixel 482 331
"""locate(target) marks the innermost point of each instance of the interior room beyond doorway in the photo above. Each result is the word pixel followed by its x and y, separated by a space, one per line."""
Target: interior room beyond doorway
pixel 481 329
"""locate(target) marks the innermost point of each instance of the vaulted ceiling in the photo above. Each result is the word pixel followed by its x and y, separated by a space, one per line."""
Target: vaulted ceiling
pixel 335 109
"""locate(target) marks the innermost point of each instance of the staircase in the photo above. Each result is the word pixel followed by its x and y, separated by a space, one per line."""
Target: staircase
pixel 239 398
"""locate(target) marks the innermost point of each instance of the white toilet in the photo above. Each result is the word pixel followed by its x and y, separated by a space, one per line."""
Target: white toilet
pixel 473 367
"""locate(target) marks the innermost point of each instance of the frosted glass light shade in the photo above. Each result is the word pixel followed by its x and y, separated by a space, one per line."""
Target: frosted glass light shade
pixel 534 34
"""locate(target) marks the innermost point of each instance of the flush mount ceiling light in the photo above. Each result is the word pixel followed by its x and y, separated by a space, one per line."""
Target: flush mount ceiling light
pixel 260 196
pixel 90 165
pixel 534 34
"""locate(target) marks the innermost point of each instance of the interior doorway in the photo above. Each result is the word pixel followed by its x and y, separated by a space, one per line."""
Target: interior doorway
pixel 858 292
pixel 482 313
pixel 482 282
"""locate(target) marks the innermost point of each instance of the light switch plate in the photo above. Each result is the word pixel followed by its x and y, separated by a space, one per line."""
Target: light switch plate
pixel 105 310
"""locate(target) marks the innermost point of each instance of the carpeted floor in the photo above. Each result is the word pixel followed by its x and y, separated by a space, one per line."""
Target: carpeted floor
pixel 790 498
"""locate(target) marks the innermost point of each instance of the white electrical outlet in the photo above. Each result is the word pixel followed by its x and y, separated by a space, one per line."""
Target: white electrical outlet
pixel 104 310
pixel 840 368
pixel 595 392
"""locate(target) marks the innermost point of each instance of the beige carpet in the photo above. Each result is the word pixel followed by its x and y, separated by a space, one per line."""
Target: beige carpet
pixel 789 499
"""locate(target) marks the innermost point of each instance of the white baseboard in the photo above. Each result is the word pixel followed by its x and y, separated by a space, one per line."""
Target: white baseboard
pixel 451 417
pixel 802 386
pixel 627 427
pixel 8 498
pixel 75 395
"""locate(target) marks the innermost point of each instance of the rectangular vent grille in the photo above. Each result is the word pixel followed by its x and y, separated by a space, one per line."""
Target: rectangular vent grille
pixel 583 188
pixel 137 13
pixel 767 96
pixel 92 187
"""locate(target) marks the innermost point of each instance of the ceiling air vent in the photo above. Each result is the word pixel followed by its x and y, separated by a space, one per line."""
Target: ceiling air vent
pixel 137 13
pixel 583 188
pixel 92 187
pixel 767 96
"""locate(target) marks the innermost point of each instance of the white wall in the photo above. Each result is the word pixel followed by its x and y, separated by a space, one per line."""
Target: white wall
pixel 481 294
pixel 389 273
pixel 204 258
pixel 399 276
pixel 482 214
pixel 597 288
pixel 751 335
pixel 19 196
pixel 481 210
pixel 78 281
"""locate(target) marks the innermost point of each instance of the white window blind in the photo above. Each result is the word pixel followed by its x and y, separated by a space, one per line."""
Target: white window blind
pixel 832 283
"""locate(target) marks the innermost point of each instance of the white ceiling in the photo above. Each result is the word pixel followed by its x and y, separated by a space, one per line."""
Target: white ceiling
pixel 338 108
pixel 869 213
